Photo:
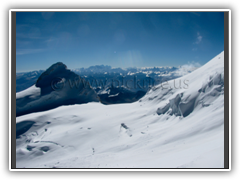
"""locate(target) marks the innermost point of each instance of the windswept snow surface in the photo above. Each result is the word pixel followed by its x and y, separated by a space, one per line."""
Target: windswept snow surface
pixel 167 128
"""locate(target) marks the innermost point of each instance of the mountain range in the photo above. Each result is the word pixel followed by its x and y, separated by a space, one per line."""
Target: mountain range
pixel 178 123
pixel 25 80
pixel 113 85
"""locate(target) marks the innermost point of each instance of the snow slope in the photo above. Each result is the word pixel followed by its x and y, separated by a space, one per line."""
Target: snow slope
pixel 25 80
pixel 167 128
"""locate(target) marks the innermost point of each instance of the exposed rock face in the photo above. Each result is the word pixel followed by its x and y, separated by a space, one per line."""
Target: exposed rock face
pixel 58 86
pixel 58 70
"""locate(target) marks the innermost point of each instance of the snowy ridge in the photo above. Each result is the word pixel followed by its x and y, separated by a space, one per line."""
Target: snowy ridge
pixel 202 86
pixel 167 128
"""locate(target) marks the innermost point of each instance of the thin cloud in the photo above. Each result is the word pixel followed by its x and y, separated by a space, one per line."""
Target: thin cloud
pixel 187 68
pixel 50 40
pixel 28 36
pixel 199 38
pixel 28 32
pixel 22 42
pixel 28 51
pixel 197 14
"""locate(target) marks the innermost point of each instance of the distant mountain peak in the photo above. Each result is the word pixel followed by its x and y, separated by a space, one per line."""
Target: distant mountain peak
pixel 55 87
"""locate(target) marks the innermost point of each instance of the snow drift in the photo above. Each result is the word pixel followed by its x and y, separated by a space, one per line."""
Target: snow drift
pixel 179 124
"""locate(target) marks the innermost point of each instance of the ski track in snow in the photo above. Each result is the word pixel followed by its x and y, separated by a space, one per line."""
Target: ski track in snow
pixel 167 128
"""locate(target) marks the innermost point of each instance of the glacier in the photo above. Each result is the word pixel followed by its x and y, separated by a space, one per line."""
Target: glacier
pixel 172 126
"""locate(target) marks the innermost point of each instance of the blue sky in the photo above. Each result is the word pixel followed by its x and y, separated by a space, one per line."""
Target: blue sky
pixel 118 39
